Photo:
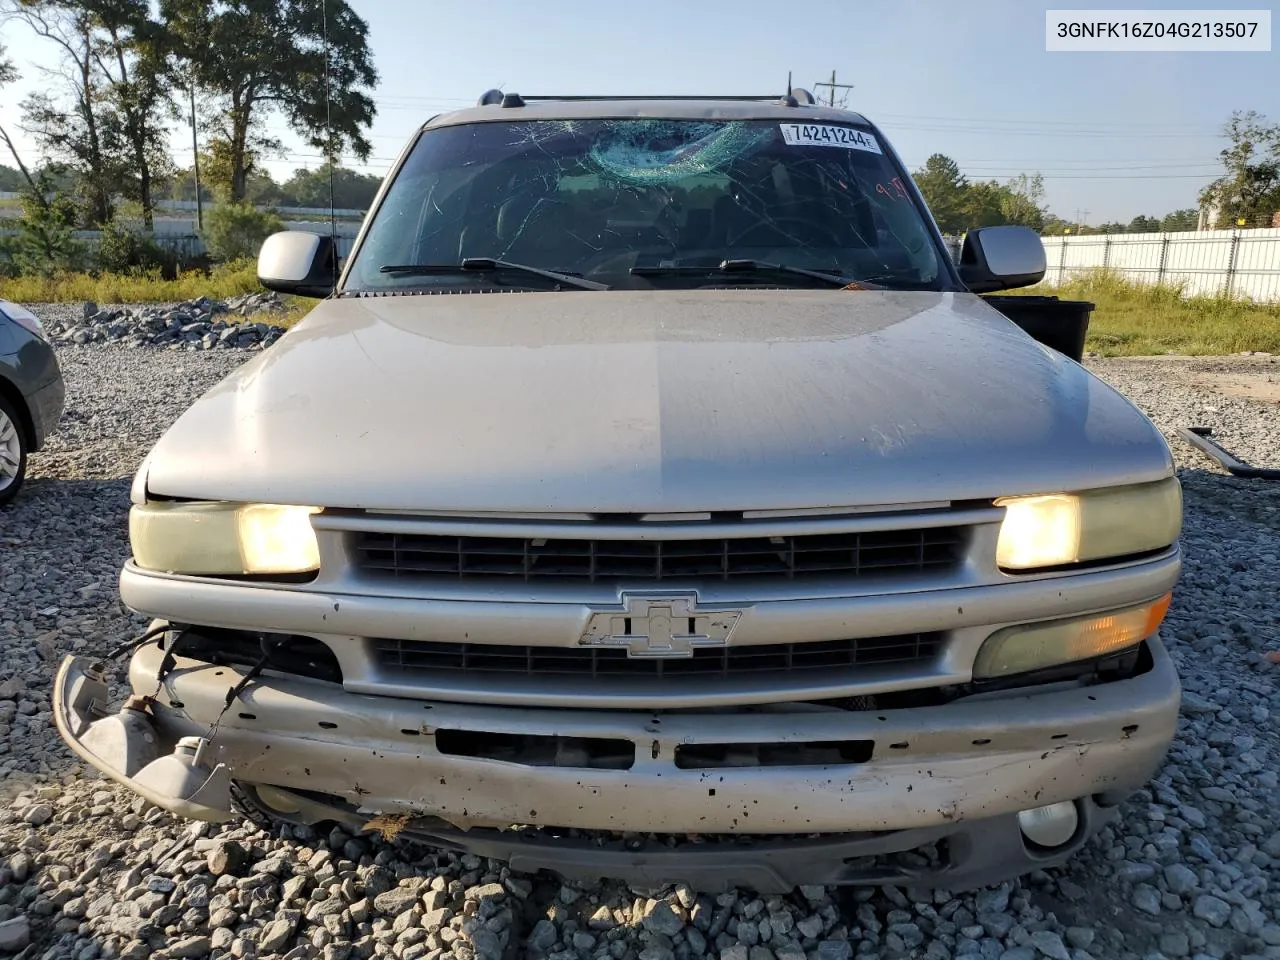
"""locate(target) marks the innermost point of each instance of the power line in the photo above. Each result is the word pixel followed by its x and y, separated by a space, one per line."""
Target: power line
pixel 1121 176
pixel 1194 169
pixel 833 86
pixel 1083 135
pixel 1144 161
pixel 1091 124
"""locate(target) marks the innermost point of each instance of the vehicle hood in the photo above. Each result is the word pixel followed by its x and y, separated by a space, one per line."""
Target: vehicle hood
pixel 653 401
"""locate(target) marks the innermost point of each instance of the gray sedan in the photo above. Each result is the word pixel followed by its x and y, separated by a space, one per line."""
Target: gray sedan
pixel 31 393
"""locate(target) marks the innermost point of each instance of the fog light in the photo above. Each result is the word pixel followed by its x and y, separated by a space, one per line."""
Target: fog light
pixel 281 802
pixel 1050 826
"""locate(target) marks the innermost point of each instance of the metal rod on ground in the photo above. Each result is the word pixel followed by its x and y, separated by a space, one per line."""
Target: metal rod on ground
pixel 1200 438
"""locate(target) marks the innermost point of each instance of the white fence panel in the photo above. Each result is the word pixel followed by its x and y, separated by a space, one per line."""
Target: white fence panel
pixel 1200 262
pixel 1138 256
pixel 1257 266
pixel 1242 263
pixel 1083 253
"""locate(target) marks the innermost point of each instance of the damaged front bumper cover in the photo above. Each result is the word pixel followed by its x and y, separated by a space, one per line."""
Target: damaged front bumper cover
pixel 955 774
pixel 126 746
pixel 957 856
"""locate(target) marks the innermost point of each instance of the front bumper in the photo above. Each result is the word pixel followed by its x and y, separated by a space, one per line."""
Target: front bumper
pixel 924 773
pixel 46 409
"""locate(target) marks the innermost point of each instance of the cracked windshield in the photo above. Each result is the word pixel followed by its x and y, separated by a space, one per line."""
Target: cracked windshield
pixel 646 203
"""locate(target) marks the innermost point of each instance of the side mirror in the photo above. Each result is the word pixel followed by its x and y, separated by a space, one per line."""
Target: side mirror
pixel 1001 258
pixel 298 262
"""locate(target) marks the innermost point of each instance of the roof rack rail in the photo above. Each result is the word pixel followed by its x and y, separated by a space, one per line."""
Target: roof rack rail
pixel 798 96
pixel 659 96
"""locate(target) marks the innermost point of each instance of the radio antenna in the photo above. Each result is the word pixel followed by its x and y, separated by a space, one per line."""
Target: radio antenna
pixel 328 133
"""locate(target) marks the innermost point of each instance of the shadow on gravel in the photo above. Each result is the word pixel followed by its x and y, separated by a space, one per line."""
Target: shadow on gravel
pixel 1211 494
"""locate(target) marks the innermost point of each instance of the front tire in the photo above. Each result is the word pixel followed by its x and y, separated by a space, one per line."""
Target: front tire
pixel 13 452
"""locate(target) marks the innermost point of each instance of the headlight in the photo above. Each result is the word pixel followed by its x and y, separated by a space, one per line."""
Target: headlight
pixel 1064 528
pixel 223 538
pixel 1039 645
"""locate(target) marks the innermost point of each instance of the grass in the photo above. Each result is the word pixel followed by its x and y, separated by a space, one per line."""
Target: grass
pixel 227 280
pixel 297 308
pixel 1134 320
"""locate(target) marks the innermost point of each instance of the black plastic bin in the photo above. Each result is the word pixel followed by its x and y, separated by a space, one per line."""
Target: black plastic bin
pixel 1059 324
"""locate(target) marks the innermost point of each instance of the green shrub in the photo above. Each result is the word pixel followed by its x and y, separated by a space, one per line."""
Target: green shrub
pixel 235 231
pixel 123 249
pixel 46 243
pixel 8 256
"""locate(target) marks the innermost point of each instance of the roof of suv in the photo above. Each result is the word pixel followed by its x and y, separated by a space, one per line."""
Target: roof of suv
pixel 588 108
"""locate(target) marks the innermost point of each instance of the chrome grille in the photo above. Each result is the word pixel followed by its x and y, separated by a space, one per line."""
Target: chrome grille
pixel 445 659
pixel 850 554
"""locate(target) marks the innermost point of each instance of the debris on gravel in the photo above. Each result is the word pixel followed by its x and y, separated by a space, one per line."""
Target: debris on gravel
pixel 201 324
pixel 1190 868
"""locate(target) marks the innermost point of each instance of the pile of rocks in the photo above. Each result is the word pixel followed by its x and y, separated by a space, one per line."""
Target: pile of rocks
pixel 97 876
pixel 202 324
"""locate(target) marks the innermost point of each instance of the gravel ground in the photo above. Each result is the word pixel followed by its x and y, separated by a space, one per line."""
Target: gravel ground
pixel 85 871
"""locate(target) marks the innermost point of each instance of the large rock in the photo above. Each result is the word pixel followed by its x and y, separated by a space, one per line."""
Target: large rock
pixel 15 934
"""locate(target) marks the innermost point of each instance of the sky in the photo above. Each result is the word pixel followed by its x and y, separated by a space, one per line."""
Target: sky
pixel 1114 135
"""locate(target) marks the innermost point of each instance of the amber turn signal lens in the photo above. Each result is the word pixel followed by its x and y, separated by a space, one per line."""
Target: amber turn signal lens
pixel 1039 645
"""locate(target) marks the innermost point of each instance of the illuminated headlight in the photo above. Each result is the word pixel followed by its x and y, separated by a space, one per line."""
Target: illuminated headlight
pixel 223 539
pixel 1039 645
pixel 1064 528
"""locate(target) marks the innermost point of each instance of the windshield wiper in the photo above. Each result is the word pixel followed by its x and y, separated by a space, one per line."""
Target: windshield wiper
pixel 745 266
pixel 488 265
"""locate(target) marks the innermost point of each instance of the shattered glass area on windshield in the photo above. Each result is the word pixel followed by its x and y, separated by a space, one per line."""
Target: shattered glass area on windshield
pixel 599 197
pixel 637 151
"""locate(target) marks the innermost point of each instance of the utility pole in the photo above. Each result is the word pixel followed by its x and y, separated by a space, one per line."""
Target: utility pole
pixel 195 159
pixel 833 86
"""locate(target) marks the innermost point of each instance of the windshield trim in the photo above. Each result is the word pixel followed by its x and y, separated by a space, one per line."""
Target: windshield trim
pixel 948 275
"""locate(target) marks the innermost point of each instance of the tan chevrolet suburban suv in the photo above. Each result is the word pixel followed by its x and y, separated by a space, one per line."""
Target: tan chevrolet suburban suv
pixel 652 496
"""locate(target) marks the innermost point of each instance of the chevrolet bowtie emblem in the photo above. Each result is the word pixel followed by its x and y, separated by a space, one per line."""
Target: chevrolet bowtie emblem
pixel 660 626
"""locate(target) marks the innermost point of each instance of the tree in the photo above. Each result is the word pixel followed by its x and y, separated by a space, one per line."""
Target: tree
pixel 132 54
pixel 256 56
pixel 1022 201
pixel 1054 226
pixel 944 188
pixel 1250 190
pixel 75 135
pixel 1141 224
pixel 351 190
pixel 982 204
pixel 1180 220
pixel 8 74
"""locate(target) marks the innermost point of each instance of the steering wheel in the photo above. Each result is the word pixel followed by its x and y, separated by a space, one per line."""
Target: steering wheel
pixel 779 225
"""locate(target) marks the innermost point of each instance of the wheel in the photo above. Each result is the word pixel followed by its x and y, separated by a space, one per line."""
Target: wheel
pixel 13 452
